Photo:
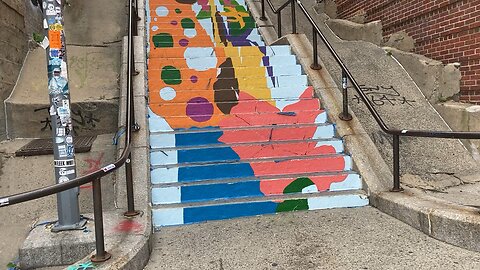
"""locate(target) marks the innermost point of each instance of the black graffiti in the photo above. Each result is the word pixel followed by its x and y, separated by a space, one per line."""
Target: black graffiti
pixel 383 95
pixel 80 118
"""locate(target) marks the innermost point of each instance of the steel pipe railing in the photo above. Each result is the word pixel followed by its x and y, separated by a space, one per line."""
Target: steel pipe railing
pixel 95 177
pixel 347 76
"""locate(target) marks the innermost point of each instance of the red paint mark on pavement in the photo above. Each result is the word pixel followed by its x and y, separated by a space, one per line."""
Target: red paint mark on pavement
pixel 93 163
pixel 128 225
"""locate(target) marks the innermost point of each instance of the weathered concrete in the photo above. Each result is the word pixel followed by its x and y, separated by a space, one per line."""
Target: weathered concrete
pixel 347 30
pixel 438 82
pixel 333 239
pixel 36 172
pixel 93 34
pixel 328 7
pixel 402 41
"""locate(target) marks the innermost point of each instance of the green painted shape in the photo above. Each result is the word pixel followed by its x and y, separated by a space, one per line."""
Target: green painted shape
pixel 203 14
pixel 178 11
pixel 163 40
pixel 171 75
pixel 187 23
pixel 292 205
pixel 297 185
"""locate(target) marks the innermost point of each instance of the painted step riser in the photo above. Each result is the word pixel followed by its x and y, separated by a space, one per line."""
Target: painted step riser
pixel 229 154
pixel 252 189
pixel 237 136
pixel 206 83
pixel 245 170
pixel 180 215
pixel 202 64
pixel 247 72
pixel 202 52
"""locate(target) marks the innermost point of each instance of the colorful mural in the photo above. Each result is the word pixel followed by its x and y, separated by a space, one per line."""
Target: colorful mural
pixel 226 109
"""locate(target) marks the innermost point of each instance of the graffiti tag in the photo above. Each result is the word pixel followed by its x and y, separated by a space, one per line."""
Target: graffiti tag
pixel 383 95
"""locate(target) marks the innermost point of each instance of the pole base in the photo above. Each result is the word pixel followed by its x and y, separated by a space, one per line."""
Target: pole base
pixel 98 259
pixel 345 117
pixel 396 189
pixel 133 213
pixel 72 227
pixel 315 66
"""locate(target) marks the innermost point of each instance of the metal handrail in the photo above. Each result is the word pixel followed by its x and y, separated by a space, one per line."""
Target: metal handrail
pixel 95 177
pixel 345 115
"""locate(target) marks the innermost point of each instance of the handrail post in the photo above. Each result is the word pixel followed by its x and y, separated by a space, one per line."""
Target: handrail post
pixel 263 17
pixel 396 164
pixel 131 212
pixel 100 254
pixel 345 115
pixel 294 19
pixel 279 19
pixel 315 65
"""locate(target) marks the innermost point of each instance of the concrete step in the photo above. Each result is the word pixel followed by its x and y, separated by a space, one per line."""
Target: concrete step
pixel 93 87
pixel 241 72
pixel 230 154
pixel 260 134
pixel 202 52
pixel 184 173
pixel 185 214
pixel 251 188
pixel 205 63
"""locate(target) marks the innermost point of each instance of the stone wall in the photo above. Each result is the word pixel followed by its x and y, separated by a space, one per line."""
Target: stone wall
pixel 18 19
pixel 444 30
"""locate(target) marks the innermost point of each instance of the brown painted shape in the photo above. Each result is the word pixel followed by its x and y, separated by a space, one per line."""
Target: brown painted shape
pixel 227 98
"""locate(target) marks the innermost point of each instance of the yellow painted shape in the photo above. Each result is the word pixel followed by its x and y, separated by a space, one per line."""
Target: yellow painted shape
pixel 235 16
pixel 258 87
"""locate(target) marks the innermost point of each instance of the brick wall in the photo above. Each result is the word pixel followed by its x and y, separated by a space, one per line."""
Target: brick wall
pixel 444 30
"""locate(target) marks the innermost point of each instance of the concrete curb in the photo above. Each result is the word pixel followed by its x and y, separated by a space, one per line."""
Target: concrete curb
pixel 452 223
pixel 131 248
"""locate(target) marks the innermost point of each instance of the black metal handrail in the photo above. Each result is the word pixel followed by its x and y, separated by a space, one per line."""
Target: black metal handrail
pixel 347 76
pixel 95 177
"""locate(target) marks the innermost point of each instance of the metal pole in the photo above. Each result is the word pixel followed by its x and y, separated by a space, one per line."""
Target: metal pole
pixel 396 164
pixel 100 254
pixel 294 19
pixel 315 65
pixel 263 17
pixel 279 19
pixel 345 115
pixel 61 120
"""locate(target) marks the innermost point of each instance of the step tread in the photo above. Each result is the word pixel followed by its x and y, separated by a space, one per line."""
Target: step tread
pixel 254 188
pixel 186 214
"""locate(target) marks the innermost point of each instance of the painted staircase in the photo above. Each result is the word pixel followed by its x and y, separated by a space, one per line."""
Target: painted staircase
pixel 235 129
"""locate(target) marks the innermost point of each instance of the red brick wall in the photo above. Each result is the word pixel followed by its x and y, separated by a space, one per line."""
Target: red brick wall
pixel 445 30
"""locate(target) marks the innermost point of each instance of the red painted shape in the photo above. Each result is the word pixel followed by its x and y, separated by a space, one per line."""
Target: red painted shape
pixel 93 164
pixel 128 226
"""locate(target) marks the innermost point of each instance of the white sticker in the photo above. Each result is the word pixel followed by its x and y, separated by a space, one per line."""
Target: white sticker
pixel 45 43
pixel 59 140
pixel 4 201
pixel 63 179
pixel 109 167
pixel 45 24
pixel 64 163
pixel 404 131
pixel 50 11
pixel 64 171
pixel 62 151
pixel 69 139
pixel 66 105
pixel 61 132
pixel 52 110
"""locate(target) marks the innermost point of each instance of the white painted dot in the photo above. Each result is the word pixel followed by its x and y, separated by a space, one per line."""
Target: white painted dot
pixel 199 63
pixel 161 11
pixel 154 28
pixel 168 93
pixel 190 32
pixel 155 19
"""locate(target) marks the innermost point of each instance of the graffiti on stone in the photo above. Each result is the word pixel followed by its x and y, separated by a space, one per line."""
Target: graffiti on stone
pixel 82 119
pixel 383 95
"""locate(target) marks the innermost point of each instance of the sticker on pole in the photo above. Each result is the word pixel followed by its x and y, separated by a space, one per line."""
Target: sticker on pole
pixel 108 168
pixel 4 201
pixel 64 163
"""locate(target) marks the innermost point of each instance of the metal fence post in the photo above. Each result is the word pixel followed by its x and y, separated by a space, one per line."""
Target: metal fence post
pixel 294 19
pixel 100 254
pixel 396 164
pixel 263 17
pixel 315 65
pixel 345 115
pixel 279 19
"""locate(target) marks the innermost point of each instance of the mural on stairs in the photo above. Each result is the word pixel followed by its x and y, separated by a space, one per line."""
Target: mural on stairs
pixel 225 106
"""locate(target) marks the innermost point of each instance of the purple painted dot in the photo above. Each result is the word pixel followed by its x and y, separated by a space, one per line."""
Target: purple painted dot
pixel 199 109
pixel 194 79
pixel 173 22
pixel 183 42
